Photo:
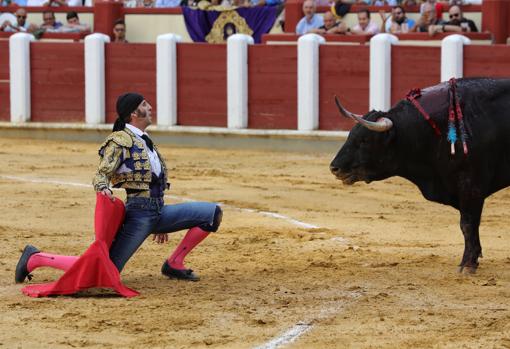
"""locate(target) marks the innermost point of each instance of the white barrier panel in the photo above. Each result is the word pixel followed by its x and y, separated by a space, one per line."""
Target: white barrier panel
pixel 19 71
pixel 452 56
pixel 380 71
pixel 237 80
pixel 308 81
pixel 95 78
pixel 166 78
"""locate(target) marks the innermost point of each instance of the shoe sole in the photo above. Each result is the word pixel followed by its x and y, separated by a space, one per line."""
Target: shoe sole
pixel 21 268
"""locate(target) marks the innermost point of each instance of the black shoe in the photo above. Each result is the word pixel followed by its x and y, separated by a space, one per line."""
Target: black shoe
pixel 186 274
pixel 21 268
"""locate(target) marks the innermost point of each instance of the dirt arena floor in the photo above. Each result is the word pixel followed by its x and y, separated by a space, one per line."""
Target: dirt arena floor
pixel 379 270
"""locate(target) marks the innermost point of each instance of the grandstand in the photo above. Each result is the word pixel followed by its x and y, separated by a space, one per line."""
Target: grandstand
pixel 205 91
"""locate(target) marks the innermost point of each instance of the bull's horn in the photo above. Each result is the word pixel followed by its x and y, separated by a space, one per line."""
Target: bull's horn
pixel 381 125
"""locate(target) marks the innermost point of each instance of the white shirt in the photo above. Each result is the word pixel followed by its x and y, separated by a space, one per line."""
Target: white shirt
pixel 153 156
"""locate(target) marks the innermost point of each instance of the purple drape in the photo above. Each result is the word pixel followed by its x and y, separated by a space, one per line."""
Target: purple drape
pixel 259 19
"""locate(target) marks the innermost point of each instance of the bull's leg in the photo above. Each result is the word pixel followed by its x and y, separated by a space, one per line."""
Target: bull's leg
pixel 470 215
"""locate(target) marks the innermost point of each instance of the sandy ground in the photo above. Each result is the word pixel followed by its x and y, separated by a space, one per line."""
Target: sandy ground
pixel 378 272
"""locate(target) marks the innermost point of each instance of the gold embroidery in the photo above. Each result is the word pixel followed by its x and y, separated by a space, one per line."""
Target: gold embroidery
pixel 227 24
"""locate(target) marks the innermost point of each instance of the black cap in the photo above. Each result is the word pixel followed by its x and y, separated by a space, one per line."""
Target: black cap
pixel 126 104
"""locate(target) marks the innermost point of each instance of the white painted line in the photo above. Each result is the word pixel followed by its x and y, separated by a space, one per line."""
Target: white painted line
pixel 263 213
pixel 288 337
pixel 303 327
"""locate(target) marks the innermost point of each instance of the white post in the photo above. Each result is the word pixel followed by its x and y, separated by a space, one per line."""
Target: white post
pixel 237 80
pixel 19 70
pixel 166 78
pixel 308 81
pixel 452 56
pixel 380 71
pixel 94 78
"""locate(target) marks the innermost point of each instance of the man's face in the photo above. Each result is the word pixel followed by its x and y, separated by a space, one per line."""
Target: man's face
pixel 73 21
pixel 398 14
pixel 120 31
pixel 144 113
pixel 455 15
pixel 362 19
pixel 429 13
pixel 308 9
pixel 21 17
pixel 49 19
pixel 329 20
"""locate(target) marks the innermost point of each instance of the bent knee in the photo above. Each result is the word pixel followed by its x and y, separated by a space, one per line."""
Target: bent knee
pixel 218 216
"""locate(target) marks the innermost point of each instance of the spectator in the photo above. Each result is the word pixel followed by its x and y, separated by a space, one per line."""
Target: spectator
pixel 168 3
pixel 457 23
pixel 311 20
pixel 46 3
pixel 428 17
pixel 148 3
pixel 439 6
pixel 398 22
pixel 21 3
pixel 266 2
pixel 49 22
pixel 365 26
pixel 331 26
pixel 21 22
pixel 73 24
pixel 119 31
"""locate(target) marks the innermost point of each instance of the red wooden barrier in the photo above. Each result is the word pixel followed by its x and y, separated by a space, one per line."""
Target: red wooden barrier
pixel 272 87
pixel 354 39
pixel 130 68
pixel 202 84
pixel 413 66
pixel 5 95
pixel 479 62
pixel 343 71
pixel 57 81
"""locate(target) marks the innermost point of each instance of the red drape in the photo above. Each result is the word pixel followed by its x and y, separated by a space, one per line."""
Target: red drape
pixel 94 268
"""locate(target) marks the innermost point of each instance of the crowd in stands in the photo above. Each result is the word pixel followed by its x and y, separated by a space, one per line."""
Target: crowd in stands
pixel 430 20
pixel 49 24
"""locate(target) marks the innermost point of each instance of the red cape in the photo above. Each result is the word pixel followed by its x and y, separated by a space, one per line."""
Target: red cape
pixel 94 268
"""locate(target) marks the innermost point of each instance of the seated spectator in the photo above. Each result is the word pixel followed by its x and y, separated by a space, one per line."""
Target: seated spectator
pixel 311 20
pixel 398 22
pixel 427 18
pixel 331 26
pixel 21 23
pixel 49 22
pixel 439 6
pixel 73 24
pixel 365 26
pixel 148 3
pixel 119 31
pixel 385 3
pixel 168 3
pixel 46 3
pixel 266 2
pixel 457 23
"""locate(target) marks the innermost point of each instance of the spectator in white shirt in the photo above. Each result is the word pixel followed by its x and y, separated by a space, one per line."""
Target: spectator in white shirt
pixel 365 26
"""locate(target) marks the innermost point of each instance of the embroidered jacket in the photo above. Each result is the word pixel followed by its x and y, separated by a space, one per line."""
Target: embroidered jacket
pixel 125 163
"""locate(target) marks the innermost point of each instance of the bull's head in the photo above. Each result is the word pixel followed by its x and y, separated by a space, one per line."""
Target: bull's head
pixel 366 154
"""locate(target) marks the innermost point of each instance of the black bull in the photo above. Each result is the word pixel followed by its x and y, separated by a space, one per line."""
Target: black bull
pixel 402 143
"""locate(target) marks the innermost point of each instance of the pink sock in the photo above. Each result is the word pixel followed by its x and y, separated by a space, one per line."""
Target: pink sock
pixel 42 259
pixel 192 238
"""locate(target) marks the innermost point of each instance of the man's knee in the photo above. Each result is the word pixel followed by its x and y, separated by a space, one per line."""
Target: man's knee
pixel 218 215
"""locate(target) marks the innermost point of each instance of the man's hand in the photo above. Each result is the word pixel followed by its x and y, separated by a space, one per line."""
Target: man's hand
pixel 160 238
pixel 108 193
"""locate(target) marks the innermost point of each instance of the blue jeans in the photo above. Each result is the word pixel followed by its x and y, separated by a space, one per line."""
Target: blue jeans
pixel 145 216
